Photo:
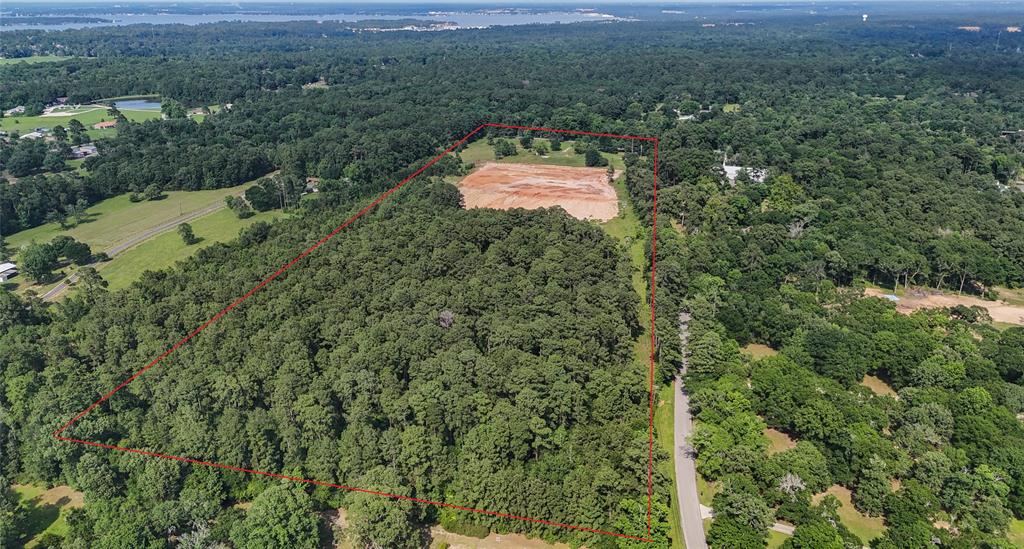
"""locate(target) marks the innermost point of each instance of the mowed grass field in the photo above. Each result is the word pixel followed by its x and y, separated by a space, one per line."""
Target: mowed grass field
pixel 1016 533
pixel 164 250
pixel 663 432
pixel 46 509
pixel 116 219
pixel 87 116
pixel 34 59
pixel 864 527
pixel 479 151
pixel 627 230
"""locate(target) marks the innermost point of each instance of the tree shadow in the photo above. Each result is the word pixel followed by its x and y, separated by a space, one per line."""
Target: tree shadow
pixel 38 517
pixel 86 218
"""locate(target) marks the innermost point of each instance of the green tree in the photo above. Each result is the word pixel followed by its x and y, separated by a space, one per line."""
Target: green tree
pixel 281 517
pixel 593 158
pixel 872 487
pixel 11 515
pixel 95 477
pixel 38 261
pixel 172 109
pixel 503 148
pixel 632 521
pixel 76 252
pixel 77 131
pixel 239 206
pixel 153 192
pixel 186 234
pixel 376 521
pixel 814 535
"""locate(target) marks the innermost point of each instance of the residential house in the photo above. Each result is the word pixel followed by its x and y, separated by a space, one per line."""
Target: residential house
pixel 756 175
pixel 7 270
pixel 83 151
pixel 104 125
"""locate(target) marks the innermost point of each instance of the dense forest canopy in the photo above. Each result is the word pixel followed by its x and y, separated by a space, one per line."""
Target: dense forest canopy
pixel 485 358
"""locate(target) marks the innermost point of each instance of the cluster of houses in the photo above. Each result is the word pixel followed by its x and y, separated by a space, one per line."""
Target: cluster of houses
pixel 78 151
pixel 38 133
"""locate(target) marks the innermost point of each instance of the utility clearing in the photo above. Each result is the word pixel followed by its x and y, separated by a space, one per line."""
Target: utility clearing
pixel 1000 311
pixel 585 193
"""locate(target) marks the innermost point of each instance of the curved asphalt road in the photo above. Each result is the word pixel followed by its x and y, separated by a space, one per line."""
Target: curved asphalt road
pixel 135 240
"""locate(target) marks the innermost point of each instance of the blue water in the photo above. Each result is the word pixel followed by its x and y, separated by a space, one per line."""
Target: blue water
pixel 462 19
pixel 137 105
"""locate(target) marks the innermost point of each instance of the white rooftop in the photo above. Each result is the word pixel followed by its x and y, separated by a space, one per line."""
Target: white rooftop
pixel 755 174
pixel 7 267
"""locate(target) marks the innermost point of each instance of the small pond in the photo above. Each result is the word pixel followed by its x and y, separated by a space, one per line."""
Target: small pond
pixel 138 105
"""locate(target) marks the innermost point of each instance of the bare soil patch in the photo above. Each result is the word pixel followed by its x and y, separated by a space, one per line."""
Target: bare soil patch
pixel 493 541
pixel 584 193
pixel 879 386
pixel 780 442
pixel 1000 311
pixel 61 496
pixel 758 350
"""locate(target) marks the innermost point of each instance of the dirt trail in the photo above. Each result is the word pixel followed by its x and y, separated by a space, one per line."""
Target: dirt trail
pixel 584 193
pixel 1000 311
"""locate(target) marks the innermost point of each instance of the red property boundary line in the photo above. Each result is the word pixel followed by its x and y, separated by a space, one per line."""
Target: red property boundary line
pixel 58 434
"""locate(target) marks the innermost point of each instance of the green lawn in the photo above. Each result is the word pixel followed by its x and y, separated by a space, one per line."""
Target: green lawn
pixel 479 151
pixel 864 527
pixel 776 539
pixel 706 490
pixel 1016 533
pixel 165 250
pixel 33 59
pixel 757 350
pixel 46 509
pixel 778 441
pixel 626 229
pixel 114 219
pixel 87 116
pixel 664 434
pixel 76 165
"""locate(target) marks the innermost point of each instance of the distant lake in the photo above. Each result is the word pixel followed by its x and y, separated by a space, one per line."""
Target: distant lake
pixel 137 105
pixel 462 19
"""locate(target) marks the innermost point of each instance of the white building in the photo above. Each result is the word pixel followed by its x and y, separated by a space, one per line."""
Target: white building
pixel 7 270
pixel 756 175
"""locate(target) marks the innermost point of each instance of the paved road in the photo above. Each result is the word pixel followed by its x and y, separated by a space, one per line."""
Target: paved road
pixel 135 240
pixel 686 471
pixel 691 512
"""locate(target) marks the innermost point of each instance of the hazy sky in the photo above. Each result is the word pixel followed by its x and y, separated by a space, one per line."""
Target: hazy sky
pixel 498 2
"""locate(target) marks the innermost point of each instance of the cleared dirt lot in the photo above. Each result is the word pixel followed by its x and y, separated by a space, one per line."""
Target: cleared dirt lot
pixel 582 192
pixel 1000 311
